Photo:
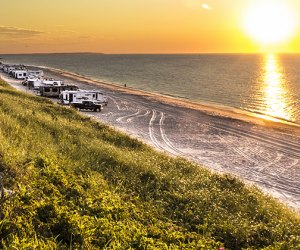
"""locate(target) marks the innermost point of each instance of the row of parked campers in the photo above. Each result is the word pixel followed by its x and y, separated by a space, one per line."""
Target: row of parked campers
pixel 21 72
pixel 67 94
pixel 25 74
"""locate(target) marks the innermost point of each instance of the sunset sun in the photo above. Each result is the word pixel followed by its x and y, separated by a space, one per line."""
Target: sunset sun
pixel 270 23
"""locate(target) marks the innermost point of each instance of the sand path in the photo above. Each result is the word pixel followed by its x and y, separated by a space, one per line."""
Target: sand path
pixel 262 152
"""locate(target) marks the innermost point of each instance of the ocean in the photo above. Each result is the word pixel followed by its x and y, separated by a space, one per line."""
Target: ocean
pixel 266 84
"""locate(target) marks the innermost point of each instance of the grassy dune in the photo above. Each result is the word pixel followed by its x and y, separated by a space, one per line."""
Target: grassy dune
pixel 73 183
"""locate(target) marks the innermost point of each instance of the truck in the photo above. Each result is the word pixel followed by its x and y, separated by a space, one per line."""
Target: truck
pixel 88 105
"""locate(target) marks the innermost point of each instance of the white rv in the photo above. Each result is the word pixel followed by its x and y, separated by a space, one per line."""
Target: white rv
pixel 33 83
pixel 37 82
pixel 35 73
pixel 52 82
pixel 10 69
pixel 69 97
pixel 5 68
pixel 20 74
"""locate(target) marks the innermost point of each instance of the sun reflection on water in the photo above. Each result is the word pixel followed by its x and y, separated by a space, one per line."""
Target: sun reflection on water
pixel 275 89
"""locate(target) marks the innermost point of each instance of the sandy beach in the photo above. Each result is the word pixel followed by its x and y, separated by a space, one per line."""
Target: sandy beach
pixel 261 151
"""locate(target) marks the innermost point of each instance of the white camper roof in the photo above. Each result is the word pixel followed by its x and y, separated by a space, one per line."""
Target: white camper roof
pixel 85 91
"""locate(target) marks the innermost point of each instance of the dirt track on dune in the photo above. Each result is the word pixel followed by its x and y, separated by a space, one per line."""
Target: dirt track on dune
pixel 265 155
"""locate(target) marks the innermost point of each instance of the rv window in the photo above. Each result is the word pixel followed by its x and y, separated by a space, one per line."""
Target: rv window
pixel 94 96
pixel 46 90
pixel 55 90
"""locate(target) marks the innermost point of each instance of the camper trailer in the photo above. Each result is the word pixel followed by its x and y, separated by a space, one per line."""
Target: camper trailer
pixel 10 69
pixel 52 82
pixel 33 83
pixel 5 68
pixel 35 73
pixel 69 97
pixel 55 91
pixel 20 74
pixel 36 83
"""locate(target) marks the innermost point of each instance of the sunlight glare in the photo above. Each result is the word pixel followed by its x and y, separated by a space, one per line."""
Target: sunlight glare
pixel 274 90
pixel 270 22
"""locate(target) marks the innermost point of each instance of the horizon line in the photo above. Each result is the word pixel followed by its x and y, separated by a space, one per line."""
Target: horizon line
pixel 148 53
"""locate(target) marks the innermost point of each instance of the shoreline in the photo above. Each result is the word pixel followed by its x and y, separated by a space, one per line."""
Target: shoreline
pixel 210 109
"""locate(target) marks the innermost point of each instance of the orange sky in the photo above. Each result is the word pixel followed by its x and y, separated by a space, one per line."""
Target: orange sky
pixel 130 26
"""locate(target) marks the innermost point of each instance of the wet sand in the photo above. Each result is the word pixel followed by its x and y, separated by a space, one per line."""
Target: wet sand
pixel 260 151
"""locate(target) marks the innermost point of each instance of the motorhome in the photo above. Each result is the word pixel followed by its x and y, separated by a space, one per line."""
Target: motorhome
pixel 69 97
pixel 55 91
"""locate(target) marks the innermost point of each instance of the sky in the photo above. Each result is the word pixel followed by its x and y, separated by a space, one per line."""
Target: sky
pixel 133 26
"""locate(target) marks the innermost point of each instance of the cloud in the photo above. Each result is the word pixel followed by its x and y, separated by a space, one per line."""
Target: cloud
pixel 60 25
pixel 206 6
pixel 15 32
pixel 195 4
pixel 85 37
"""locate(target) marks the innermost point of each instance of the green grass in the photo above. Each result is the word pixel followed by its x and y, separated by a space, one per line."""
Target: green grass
pixel 79 184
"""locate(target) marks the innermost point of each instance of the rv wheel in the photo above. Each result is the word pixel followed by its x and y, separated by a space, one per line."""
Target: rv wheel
pixel 98 109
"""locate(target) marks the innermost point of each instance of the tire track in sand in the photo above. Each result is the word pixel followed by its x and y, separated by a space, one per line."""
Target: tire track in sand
pixel 120 119
pixel 165 138
pixel 165 143
pixel 116 103
pixel 138 116
pixel 151 131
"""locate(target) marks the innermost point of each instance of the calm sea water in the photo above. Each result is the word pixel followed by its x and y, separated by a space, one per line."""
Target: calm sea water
pixel 264 84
